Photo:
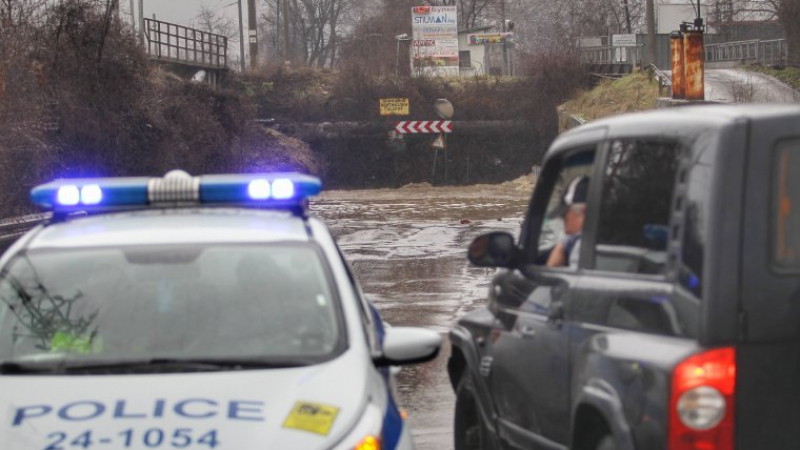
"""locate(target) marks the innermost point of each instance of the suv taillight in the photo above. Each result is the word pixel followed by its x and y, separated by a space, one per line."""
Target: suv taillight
pixel 701 404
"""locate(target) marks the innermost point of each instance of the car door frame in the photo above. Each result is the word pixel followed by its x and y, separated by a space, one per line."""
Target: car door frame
pixel 591 139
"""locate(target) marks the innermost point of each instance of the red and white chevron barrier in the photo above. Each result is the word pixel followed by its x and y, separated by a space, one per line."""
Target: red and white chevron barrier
pixel 424 126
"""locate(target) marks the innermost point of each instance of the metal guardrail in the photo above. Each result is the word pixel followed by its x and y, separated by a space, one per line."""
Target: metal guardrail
pixel 611 55
pixel 175 43
pixel 664 81
pixel 771 52
pixel 11 229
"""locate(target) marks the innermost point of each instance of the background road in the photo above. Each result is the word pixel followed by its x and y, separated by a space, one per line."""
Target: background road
pixel 408 248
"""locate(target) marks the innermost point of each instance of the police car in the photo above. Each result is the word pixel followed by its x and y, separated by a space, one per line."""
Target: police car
pixel 169 313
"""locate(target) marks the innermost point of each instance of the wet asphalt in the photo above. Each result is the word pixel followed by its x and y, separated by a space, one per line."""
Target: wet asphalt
pixel 408 249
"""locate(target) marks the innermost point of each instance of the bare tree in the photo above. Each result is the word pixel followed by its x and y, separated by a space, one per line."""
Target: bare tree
pixel 306 31
pixel 209 20
pixel 786 12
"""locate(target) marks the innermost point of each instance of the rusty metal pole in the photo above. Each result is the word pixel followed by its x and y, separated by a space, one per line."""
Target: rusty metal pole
pixel 678 71
pixel 694 63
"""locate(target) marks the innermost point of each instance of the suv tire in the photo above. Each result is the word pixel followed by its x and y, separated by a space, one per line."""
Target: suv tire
pixel 470 431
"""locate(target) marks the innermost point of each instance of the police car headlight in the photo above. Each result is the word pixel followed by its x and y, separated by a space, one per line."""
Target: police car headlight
pixel 366 434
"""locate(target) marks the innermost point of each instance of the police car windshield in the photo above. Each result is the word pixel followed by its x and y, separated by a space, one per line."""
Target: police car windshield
pixel 268 302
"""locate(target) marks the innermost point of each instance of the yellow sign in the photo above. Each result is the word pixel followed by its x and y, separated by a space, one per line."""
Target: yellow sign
pixel 394 106
pixel 311 417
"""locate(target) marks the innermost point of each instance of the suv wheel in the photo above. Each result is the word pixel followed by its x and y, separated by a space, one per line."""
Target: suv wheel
pixel 470 433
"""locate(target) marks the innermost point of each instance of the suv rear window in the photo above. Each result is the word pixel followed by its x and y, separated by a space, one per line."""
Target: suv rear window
pixel 786 206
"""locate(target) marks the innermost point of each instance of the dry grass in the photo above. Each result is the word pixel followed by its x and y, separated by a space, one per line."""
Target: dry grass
pixel 635 92
pixel 788 75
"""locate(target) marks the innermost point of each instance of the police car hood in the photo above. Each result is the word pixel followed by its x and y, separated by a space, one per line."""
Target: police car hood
pixel 292 408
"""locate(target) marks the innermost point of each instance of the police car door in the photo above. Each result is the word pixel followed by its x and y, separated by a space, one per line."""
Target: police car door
pixel 529 349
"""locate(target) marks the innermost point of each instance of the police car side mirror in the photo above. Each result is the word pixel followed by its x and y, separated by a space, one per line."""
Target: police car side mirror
pixel 403 345
pixel 495 249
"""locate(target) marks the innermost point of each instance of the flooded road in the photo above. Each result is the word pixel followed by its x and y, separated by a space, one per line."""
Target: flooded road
pixel 408 249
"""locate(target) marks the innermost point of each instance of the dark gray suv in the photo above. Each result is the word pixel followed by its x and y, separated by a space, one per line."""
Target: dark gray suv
pixel 678 324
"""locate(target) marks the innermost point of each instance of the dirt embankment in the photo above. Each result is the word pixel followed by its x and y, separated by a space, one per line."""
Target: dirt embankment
pixel 634 92
pixel 79 98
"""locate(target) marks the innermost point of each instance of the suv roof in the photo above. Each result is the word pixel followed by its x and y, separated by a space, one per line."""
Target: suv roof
pixel 173 226
pixel 679 121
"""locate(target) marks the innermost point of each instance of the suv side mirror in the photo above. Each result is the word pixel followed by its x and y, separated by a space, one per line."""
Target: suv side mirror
pixel 402 345
pixel 495 249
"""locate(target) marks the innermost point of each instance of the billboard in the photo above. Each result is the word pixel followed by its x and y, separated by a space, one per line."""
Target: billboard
pixel 434 49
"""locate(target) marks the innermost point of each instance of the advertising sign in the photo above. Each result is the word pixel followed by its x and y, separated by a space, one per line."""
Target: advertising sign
pixel 491 38
pixel 394 106
pixel 434 49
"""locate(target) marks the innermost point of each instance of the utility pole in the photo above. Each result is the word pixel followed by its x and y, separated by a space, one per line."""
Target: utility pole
pixel 650 14
pixel 252 25
pixel 241 38
pixel 141 22
pixel 286 31
pixel 627 17
pixel 133 17
pixel 503 27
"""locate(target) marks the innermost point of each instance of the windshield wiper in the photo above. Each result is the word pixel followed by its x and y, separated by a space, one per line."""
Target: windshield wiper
pixel 192 364
pixel 14 368
pixel 209 364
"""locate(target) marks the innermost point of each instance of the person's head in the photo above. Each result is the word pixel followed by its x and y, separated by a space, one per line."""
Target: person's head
pixel 573 204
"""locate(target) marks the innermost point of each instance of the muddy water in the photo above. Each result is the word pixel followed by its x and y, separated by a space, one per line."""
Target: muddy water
pixel 408 249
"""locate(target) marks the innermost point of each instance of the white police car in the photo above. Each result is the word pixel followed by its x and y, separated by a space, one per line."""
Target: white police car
pixel 170 317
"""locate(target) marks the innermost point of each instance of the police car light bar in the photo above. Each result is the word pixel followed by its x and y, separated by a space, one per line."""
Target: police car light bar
pixel 265 189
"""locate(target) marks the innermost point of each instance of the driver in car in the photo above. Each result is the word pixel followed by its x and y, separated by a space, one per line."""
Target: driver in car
pixel 572 210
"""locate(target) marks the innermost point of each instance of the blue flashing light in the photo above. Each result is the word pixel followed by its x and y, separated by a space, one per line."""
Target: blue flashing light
pixel 270 189
pixel 282 189
pixel 91 194
pixel 258 189
pixel 68 195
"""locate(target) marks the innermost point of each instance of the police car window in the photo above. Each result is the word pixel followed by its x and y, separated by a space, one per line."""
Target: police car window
pixel 633 224
pixel 786 216
pixel 271 303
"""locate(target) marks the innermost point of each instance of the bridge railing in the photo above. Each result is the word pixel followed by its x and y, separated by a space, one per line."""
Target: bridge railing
pixel 611 55
pixel 771 52
pixel 11 229
pixel 176 43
